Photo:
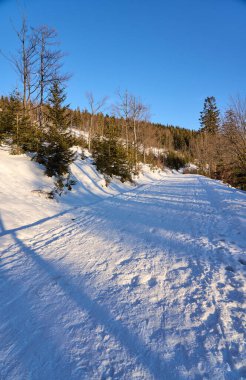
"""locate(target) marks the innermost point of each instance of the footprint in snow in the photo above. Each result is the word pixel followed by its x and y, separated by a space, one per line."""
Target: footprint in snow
pixel 242 261
pixel 152 282
pixel 125 262
pixel 135 281
pixel 221 285
pixel 229 268
pixel 152 230
pixel 219 248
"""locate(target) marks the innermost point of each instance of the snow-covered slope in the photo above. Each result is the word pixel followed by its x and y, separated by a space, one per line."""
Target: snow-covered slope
pixel 144 282
pixel 22 180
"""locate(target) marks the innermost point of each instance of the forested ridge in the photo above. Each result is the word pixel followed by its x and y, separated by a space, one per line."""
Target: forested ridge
pixel 35 118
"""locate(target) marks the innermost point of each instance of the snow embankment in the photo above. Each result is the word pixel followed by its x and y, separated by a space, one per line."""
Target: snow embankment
pixel 24 188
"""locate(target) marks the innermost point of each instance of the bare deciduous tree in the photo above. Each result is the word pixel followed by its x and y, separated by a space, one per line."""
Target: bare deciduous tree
pixel 234 139
pixel 24 62
pixel 49 64
pixel 94 108
pixel 122 110
pixel 138 111
pixel 132 111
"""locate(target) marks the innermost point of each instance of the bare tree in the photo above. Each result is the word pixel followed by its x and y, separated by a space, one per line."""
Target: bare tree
pixel 138 112
pixel 94 108
pixel 48 65
pixel 132 111
pixel 234 138
pixel 38 64
pixel 122 109
pixel 205 147
pixel 24 62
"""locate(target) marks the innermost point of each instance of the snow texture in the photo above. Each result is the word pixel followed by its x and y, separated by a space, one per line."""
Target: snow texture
pixel 120 282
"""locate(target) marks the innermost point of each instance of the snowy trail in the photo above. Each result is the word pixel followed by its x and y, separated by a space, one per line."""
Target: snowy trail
pixel 149 284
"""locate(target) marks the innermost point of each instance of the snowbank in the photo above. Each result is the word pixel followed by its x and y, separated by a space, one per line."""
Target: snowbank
pixel 24 187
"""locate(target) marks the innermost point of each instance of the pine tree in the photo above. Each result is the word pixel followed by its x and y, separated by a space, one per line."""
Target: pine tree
pixel 55 148
pixel 210 119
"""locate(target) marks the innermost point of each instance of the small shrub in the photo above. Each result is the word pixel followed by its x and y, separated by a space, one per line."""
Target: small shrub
pixel 82 155
pixel 174 161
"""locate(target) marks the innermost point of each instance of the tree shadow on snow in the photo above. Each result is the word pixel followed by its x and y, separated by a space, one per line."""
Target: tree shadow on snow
pixel 33 330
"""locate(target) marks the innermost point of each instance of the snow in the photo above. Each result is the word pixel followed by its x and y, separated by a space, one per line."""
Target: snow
pixel 121 282
pixel 192 166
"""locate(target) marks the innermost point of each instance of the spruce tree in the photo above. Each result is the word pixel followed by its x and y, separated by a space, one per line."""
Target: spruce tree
pixel 109 155
pixel 55 147
pixel 210 119
pixel 10 117
pixel 15 127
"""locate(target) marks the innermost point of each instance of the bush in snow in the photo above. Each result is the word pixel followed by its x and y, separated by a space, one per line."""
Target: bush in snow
pixel 174 161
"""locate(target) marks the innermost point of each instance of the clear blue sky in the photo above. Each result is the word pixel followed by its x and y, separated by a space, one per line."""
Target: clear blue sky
pixel 171 53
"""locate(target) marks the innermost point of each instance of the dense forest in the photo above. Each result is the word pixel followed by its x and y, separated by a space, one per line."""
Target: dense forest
pixel 35 118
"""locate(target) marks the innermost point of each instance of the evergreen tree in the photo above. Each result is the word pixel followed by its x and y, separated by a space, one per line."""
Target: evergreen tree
pixel 55 147
pixel 110 156
pixel 15 127
pixel 10 115
pixel 174 160
pixel 210 119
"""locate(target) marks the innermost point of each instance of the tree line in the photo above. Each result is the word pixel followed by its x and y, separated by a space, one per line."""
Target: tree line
pixel 220 146
pixel 35 118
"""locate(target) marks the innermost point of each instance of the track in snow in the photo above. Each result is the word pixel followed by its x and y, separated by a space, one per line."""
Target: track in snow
pixel 149 284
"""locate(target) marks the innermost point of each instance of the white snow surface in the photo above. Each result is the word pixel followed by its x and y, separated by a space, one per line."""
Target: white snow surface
pixel 120 282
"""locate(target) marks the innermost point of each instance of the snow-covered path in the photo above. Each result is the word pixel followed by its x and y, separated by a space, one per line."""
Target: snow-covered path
pixel 149 284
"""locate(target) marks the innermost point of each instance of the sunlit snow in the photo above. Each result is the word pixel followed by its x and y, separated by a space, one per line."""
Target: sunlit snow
pixel 120 282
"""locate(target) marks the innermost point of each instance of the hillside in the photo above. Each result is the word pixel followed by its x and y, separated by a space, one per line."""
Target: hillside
pixel 120 282
pixel 23 181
